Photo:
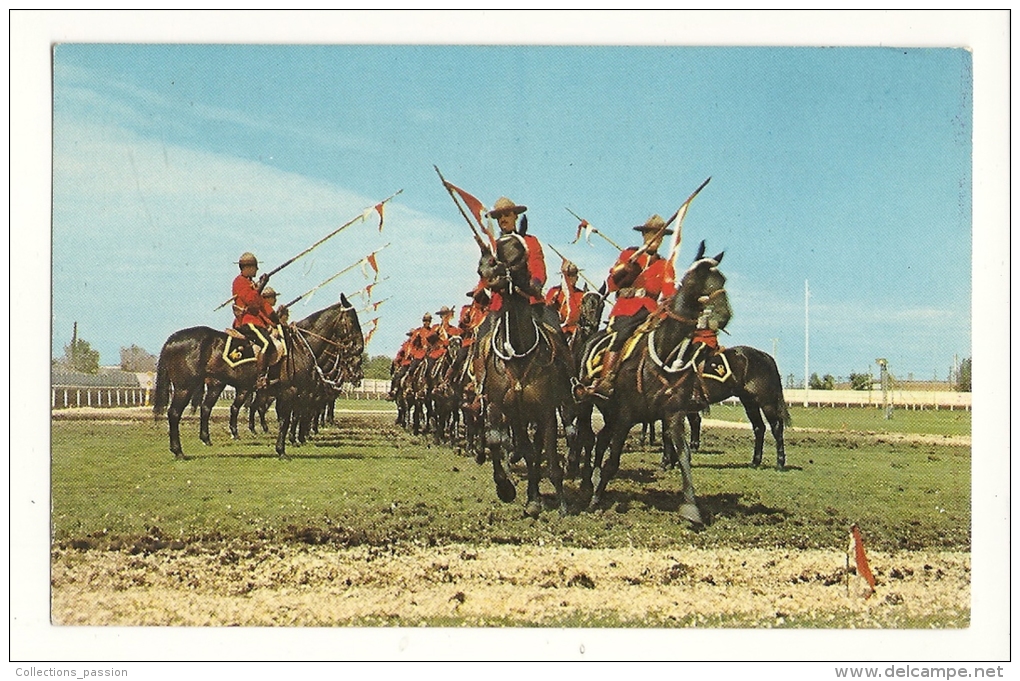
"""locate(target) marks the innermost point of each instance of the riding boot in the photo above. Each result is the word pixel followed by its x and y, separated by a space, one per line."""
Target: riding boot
pixel 603 386
pixel 262 380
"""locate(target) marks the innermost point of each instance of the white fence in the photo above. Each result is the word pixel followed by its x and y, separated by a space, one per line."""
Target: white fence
pixel 68 396
pixel 900 399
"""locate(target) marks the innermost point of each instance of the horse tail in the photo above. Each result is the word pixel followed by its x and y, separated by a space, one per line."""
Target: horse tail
pixel 161 391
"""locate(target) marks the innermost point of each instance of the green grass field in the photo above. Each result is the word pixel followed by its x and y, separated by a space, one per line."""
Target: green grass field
pixel 115 484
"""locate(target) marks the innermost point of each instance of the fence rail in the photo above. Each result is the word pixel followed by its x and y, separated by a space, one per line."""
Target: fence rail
pixel 72 396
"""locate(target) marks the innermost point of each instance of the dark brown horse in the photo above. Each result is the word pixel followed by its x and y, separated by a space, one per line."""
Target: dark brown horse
pixel 522 370
pixel 752 376
pixel 191 361
pixel 652 385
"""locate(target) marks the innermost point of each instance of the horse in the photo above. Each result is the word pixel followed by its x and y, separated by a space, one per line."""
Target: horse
pixel 752 376
pixel 191 360
pixel 522 370
pixel 652 383
pixel 446 391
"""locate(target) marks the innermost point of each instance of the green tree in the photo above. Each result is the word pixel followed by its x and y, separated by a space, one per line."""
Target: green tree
pixel 826 382
pixel 79 356
pixel 860 381
pixel 377 367
pixel 963 377
pixel 137 360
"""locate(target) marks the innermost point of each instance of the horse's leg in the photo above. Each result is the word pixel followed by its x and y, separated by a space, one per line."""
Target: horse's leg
pixel 675 423
pixel 551 455
pixel 605 470
pixel 670 459
pixel 212 394
pixel 497 438
pixel 757 425
pixel 778 427
pixel 175 409
pixel 235 409
pixel 533 460
pixel 694 420
pixel 283 418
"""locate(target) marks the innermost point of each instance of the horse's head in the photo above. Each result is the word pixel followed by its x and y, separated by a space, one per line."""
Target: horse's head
pixel 592 304
pixel 703 289
pixel 493 272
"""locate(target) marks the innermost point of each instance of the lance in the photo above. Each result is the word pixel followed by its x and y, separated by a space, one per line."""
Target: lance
pixel 343 271
pixel 374 306
pixel 596 231
pixel 362 292
pixel 662 230
pixel 474 232
pixel 566 259
pixel 318 243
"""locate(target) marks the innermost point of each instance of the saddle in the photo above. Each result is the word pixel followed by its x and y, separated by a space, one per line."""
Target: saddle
pixel 592 363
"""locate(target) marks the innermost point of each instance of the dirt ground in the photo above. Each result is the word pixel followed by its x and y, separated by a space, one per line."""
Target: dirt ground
pixel 245 584
pixel 500 585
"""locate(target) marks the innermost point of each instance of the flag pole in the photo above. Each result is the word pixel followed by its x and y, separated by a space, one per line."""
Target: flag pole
pixel 311 248
pixel 595 231
pixel 474 232
pixel 343 271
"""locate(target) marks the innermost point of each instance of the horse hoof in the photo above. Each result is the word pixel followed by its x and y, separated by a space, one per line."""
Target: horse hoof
pixel 506 491
pixel 691 513
pixel 564 511
pixel 207 442
pixel 780 467
pixel 533 509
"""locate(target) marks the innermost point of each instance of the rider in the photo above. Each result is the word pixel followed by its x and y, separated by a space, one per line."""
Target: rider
pixel 420 343
pixel 442 333
pixel 253 314
pixel 529 273
pixel 566 299
pixel 639 277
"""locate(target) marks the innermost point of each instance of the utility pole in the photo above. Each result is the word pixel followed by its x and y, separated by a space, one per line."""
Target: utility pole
pixel 883 365
pixel 806 338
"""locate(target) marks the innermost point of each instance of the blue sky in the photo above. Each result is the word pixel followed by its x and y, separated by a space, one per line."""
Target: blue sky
pixel 846 167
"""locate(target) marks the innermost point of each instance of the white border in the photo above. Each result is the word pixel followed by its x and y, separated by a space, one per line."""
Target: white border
pixel 32 33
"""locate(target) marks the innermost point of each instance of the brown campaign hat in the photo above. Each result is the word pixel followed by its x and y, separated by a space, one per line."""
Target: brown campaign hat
pixel 505 205
pixel 654 224
pixel 444 310
pixel 247 259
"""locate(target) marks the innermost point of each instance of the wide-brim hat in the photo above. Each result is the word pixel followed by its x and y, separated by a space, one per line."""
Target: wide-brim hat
pixel 444 310
pixel 504 206
pixel 570 269
pixel 427 316
pixel 268 292
pixel 247 259
pixel 654 224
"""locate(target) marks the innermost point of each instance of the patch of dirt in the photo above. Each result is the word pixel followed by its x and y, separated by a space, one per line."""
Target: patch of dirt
pixel 317 585
pixel 957 440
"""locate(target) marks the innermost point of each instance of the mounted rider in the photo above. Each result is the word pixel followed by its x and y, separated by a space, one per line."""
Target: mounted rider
pixel 442 333
pixel 566 299
pixel 254 316
pixel 640 277
pixel 524 261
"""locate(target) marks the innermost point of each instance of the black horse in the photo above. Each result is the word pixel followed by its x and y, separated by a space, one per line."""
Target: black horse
pixel 752 376
pixel 651 385
pixel 191 361
pixel 522 370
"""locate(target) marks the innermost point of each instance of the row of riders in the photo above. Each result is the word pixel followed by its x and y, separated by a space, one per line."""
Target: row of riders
pixel 520 365
pixel 302 366
pixel 519 357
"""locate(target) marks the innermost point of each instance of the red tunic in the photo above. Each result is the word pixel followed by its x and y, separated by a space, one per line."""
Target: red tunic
pixel 656 279
pixel 440 338
pixel 470 317
pixel 418 343
pixel 253 307
pixel 569 307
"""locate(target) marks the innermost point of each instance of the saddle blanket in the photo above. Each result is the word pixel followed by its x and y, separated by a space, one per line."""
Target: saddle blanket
pixel 240 350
